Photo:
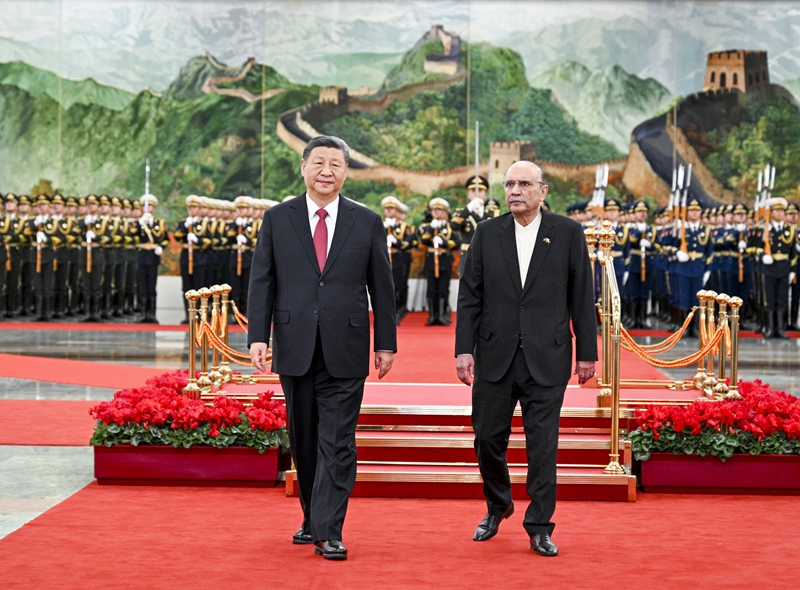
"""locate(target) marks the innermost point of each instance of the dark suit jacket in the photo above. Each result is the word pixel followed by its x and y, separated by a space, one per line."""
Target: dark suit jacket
pixel 494 308
pixel 287 289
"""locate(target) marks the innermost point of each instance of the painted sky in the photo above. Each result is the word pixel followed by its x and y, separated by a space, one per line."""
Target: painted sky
pixel 133 44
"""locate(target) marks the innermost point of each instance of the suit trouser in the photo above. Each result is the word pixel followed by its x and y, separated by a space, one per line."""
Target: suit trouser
pixel 492 410
pixel 323 411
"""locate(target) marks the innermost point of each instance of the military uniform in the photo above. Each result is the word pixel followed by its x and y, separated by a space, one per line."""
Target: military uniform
pixel 242 234
pixel 151 239
pixel 74 257
pixel 466 220
pixel 401 239
pixel 130 254
pixel 61 290
pixel 642 239
pixel 27 260
pixel 45 232
pixel 194 233
pixel 95 235
pixel 692 264
pixel 12 232
pixel 440 240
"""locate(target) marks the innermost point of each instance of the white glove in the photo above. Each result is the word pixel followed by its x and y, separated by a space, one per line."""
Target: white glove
pixel 240 221
pixel 682 256
pixel 742 245
pixel 41 238
pixel 625 276
pixel 189 221
pixel 767 259
pixel 792 276
pixel 706 275
pixel 90 235
pixel 88 220
pixel 641 226
pixel 390 241
pixel 645 243
pixel 191 238
pixel 158 250
pixel 39 219
pixel 389 222
pixel 741 227
pixel 437 242
pixel 599 254
pixel 436 223
pixel 241 240
pixel 474 205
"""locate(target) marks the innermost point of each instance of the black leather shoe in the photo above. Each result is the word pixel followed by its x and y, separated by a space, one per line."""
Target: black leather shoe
pixel 302 538
pixel 489 525
pixel 543 545
pixel 331 550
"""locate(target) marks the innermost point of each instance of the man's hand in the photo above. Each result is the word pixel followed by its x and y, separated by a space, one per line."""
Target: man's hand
pixel 465 368
pixel 584 370
pixel 383 362
pixel 258 354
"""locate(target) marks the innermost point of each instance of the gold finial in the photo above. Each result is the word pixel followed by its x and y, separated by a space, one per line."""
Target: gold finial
pixel 192 295
pixel 226 288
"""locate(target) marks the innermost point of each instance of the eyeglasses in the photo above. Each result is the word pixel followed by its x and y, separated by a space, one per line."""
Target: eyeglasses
pixel 523 184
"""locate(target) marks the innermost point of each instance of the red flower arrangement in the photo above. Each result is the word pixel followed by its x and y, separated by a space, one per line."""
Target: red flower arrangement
pixel 160 414
pixel 763 421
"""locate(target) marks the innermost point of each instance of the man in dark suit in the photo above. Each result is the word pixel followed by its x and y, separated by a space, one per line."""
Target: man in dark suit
pixel 526 278
pixel 315 259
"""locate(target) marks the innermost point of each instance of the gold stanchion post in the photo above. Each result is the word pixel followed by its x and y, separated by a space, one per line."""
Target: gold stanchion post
pixel 733 389
pixel 613 467
pixel 215 375
pixel 224 367
pixel 203 381
pixel 711 382
pixel 700 377
pixel 606 240
pixel 721 389
pixel 191 390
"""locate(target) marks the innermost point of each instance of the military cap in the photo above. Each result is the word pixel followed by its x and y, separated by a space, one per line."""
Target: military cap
pixel 12 198
pixel 116 201
pixel 739 208
pixel 661 211
pixel 491 203
pixel 204 201
pixel 104 200
pixel 24 200
pixel 136 204
pixel 58 199
pixel 612 204
pixel 268 203
pixel 287 197
pixel 241 201
pixel 82 201
pixel 477 182
pixel 72 201
pixel 792 207
pixel 641 206
pixel 694 205
pixel 150 200
pixel 729 208
pixel 439 203
pixel 126 202
pixel 777 203
pixel 390 202
pixel 42 198
pixel 2 199
pixel 192 201
pixel 92 200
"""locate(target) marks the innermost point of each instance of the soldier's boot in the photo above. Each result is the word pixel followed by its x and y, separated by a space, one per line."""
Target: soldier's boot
pixel 793 317
pixel 126 304
pixel 403 307
pixel 673 326
pixel 644 323
pixel 49 305
pixel 444 313
pixel 142 317
pixel 153 309
pixel 117 304
pixel 780 327
pixel 87 308
pixel 39 306
pixel 433 310
pixel 3 314
pixel 769 319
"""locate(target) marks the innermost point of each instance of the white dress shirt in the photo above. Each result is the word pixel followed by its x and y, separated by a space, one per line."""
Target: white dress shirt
pixel 526 241
pixel 332 208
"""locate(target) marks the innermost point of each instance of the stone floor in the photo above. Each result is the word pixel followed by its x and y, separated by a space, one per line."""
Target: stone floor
pixel 32 479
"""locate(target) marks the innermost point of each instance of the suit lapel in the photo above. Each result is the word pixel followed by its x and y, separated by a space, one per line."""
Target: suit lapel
pixel 540 250
pixel 508 243
pixel 344 221
pixel 299 216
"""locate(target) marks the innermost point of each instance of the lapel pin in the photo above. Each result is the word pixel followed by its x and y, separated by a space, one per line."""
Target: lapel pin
pixel 546 240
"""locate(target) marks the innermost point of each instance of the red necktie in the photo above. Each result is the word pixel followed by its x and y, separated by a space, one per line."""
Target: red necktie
pixel 321 239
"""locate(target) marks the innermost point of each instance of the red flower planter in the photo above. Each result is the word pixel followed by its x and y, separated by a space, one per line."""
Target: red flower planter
pixel 741 474
pixel 195 466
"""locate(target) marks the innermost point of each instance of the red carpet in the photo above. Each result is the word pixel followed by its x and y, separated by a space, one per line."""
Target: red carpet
pixel 206 538
pixel 108 327
pixel 87 373
pixel 46 422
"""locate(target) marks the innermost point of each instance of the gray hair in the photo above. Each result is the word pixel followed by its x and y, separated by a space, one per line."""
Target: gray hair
pixel 327 141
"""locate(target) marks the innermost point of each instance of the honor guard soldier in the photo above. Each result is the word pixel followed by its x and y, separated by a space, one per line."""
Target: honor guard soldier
pixel 61 272
pixel 794 305
pixel 27 259
pixel 694 254
pixel 401 238
pixel 193 233
pixel 742 278
pixel 44 231
pixel 440 240
pixel 640 268
pixel 620 248
pixel 151 240
pixel 94 237
pixel 779 258
pixel 13 238
pixel 133 287
pixel 114 270
pixel 130 256
pixel 73 255
pixel 465 220
pixel 242 233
